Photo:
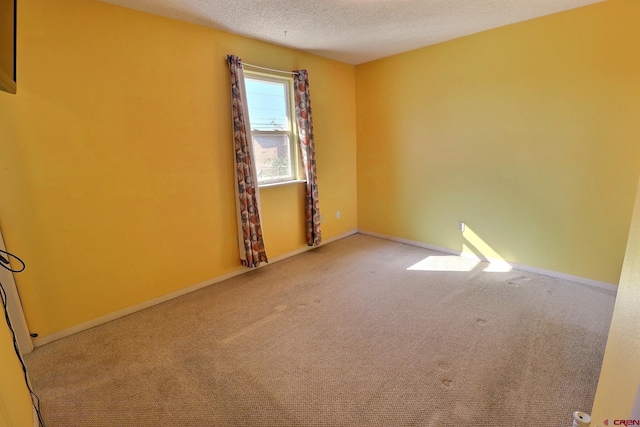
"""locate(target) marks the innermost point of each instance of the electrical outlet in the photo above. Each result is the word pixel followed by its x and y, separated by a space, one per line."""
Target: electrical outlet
pixel 321 218
pixel 338 214
pixel 461 226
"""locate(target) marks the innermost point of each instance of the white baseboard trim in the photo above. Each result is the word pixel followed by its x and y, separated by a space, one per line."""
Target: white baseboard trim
pixel 155 301
pixel 411 242
pixel 308 248
pixel 340 236
pixel 132 309
pixel 564 276
pixel 515 266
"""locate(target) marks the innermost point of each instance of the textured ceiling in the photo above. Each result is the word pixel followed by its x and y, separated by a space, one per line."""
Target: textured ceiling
pixel 353 31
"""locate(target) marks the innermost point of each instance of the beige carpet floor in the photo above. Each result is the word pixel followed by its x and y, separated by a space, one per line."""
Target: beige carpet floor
pixel 343 335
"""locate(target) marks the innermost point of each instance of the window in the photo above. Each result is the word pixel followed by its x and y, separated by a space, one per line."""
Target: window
pixel 272 127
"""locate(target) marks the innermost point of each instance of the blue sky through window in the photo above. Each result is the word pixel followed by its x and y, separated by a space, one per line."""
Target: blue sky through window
pixel 267 107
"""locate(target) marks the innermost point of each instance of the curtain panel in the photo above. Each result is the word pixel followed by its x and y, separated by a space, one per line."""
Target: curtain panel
pixel 250 241
pixel 307 151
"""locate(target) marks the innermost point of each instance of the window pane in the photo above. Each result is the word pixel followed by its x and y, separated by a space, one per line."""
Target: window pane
pixel 272 157
pixel 267 105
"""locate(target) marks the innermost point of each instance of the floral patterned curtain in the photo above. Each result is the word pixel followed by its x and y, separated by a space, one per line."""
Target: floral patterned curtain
pixel 307 149
pixel 250 242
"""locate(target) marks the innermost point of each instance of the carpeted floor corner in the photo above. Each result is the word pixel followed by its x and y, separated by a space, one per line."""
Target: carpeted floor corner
pixel 344 335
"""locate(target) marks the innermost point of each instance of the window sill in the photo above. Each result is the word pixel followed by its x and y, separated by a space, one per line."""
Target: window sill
pixel 278 184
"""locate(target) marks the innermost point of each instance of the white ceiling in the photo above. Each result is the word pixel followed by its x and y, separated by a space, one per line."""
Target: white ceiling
pixel 353 31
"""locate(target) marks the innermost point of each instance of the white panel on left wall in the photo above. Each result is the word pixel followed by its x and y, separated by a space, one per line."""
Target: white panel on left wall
pixel 14 308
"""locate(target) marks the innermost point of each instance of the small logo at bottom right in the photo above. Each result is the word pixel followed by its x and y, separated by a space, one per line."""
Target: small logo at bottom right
pixel 621 422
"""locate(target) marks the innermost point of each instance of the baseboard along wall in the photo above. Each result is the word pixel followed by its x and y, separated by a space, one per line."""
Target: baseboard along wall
pixel 155 301
pixel 515 266
pixel 146 304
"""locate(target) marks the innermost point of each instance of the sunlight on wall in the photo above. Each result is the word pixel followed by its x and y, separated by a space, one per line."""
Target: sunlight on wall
pixel 528 131
pixel 474 245
pixel 445 263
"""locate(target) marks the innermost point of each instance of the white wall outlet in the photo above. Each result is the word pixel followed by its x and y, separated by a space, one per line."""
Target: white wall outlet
pixel 461 226
pixel 321 218
pixel 338 214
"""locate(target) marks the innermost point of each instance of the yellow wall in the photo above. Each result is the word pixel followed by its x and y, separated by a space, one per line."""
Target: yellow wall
pixel 273 198
pixel 620 375
pixel 529 133
pixel 116 174
pixel 15 405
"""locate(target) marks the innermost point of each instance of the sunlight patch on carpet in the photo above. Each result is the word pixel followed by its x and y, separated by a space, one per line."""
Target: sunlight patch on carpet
pixel 445 263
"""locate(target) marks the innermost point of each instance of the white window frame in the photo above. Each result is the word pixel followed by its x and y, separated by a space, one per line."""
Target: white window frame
pixel 291 132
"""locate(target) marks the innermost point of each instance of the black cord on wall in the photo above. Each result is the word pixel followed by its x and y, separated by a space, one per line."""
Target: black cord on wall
pixel 4 262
